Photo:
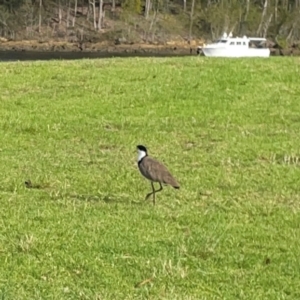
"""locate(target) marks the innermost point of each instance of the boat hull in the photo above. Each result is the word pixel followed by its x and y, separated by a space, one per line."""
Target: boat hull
pixel 230 52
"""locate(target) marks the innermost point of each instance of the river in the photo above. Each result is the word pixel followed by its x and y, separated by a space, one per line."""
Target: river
pixel 34 55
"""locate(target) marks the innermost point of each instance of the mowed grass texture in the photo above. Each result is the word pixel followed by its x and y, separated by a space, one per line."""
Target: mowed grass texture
pixel 227 129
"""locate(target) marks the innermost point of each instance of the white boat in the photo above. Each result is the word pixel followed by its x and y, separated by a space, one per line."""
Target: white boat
pixel 229 46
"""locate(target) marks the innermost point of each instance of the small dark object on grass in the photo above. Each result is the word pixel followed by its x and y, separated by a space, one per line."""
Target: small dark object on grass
pixel 143 282
pixel 29 185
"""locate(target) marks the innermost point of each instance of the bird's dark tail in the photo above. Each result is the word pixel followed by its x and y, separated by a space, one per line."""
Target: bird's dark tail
pixel 172 182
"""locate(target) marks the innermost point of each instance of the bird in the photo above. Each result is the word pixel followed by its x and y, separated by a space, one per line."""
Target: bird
pixel 154 171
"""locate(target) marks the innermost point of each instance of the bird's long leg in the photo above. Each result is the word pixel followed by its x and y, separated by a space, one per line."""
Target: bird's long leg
pixel 153 192
pixel 160 189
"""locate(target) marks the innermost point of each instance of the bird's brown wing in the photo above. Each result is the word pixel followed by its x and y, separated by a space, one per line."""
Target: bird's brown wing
pixel 156 171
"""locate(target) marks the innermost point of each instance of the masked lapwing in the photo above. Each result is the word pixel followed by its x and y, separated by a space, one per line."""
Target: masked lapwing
pixel 154 171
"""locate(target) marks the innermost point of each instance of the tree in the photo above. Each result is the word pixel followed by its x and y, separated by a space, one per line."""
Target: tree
pixel 263 16
pixel 75 12
pixel 147 8
pixel 276 19
pixel 93 4
pixel 40 15
pixel 100 17
pixel 191 19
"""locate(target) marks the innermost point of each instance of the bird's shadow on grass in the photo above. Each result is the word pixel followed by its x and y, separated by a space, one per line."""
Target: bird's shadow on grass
pixel 107 198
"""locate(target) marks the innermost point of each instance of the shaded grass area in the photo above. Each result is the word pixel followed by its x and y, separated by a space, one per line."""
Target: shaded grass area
pixel 228 130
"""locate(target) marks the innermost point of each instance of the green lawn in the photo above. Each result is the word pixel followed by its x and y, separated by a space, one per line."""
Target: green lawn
pixel 228 130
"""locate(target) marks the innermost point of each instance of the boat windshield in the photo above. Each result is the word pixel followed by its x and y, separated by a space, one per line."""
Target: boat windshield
pixel 222 41
pixel 257 44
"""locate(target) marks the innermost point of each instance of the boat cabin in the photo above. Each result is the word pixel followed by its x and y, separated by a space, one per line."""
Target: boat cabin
pixel 240 41
pixel 228 46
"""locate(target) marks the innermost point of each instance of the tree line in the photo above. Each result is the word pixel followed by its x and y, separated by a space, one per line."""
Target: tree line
pixel 278 20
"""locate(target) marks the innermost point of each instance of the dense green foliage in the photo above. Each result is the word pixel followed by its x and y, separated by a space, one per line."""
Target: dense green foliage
pixel 150 20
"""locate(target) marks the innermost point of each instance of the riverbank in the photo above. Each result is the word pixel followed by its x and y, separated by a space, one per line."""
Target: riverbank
pixel 172 48
pixel 105 47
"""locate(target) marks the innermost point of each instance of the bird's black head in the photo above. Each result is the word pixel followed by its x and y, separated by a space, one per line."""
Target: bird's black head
pixel 141 148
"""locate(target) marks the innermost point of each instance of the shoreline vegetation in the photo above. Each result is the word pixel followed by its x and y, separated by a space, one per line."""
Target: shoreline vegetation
pixel 136 26
pixel 171 47
pixel 108 47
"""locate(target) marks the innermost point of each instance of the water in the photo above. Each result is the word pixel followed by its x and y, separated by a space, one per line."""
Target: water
pixel 34 55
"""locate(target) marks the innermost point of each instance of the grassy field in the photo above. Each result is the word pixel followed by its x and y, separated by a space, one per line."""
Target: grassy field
pixel 227 129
